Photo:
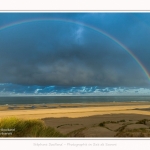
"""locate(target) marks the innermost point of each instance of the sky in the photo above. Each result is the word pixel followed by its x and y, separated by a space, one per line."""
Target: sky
pixel 74 53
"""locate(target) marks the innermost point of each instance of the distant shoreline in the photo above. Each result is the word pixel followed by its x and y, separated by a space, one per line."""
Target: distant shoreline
pixel 72 105
pixel 23 100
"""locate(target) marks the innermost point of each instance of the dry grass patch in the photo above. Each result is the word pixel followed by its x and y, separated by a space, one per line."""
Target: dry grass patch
pixel 14 127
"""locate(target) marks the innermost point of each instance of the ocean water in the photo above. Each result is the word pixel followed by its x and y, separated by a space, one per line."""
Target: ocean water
pixel 70 99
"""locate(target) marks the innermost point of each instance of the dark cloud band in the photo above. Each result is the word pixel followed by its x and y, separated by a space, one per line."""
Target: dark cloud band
pixel 68 53
pixel 86 25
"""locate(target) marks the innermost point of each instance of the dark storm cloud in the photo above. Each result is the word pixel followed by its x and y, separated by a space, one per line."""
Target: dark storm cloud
pixel 69 54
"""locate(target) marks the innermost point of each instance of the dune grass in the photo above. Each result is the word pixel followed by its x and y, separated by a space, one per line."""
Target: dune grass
pixel 76 133
pixel 14 127
pixel 141 132
pixel 143 121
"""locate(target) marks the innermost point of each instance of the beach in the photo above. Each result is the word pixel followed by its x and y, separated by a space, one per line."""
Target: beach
pixel 85 120
pixel 76 110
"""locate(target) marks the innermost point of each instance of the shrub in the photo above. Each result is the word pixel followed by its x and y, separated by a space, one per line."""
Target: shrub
pixel 14 127
pixel 142 121
pixel 102 124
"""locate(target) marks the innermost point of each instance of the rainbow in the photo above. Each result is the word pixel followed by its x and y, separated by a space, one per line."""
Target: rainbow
pixel 88 26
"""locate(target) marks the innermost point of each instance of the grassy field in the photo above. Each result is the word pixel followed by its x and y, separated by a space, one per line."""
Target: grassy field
pixel 14 127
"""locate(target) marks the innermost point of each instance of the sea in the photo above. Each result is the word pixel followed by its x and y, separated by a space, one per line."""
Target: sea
pixel 69 99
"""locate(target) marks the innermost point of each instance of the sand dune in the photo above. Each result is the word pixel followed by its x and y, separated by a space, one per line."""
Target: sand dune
pixel 88 120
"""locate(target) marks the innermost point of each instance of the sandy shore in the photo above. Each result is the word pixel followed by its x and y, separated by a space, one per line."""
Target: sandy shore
pixel 110 119
pixel 39 111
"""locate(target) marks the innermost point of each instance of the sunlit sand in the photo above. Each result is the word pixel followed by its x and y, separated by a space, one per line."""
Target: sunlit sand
pixel 88 120
pixel 73 110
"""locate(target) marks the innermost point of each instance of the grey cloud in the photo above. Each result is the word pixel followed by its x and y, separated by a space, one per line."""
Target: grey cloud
pixel 61 53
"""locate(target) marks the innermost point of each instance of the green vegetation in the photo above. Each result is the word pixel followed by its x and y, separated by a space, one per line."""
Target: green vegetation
pixel 76 133
pixel 102 124
pixel 112 121
pixel 142 121
pixel 122 128
pixel 67 125
pixel 122 121
pixel 141 132
pixel 14 127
